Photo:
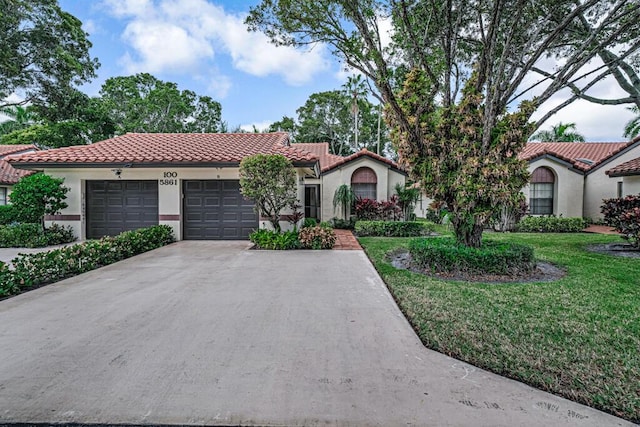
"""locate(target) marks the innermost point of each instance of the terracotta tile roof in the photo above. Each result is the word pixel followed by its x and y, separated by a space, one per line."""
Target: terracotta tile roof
pixel 632 167
pixel 362 153
pixel 6 150
pixel 162 148
pixel 10 175
pixel 594 153
pixel 321 150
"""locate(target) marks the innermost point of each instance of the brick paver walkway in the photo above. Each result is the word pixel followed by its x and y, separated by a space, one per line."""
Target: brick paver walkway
pixel 346 241
pixel 600 229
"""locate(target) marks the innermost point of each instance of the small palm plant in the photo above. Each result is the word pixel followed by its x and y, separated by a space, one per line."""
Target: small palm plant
pixel 345 198
pixel 559 133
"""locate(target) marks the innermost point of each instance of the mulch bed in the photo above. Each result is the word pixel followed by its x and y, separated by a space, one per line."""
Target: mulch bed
pixel 615 249
pixel 544 272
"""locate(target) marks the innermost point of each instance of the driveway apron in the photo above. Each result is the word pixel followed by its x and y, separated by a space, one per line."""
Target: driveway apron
pixel 212 333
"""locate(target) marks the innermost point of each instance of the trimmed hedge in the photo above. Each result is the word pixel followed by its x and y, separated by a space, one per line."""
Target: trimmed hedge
pixel 551 224
pixel 7 214
pixel 394 228
pixel 445 255
pixel 57 264
pixel 33 236
pixel 271 239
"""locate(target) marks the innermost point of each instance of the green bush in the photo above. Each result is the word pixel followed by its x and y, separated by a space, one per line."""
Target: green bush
pixel 343 224
pixel 317 238
pixel 50 266
pixel 309 222
pixel 551 224
pixel 33 236
pixel 7 214
pixel 444 254
pixel 623 214
pixel 394 228
pixel 271 239
pixel 326 224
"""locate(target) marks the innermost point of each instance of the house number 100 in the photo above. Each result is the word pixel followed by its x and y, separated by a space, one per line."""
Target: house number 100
pixel 169 178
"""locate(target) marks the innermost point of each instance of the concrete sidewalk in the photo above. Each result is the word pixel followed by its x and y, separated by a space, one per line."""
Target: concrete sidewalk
pixel 211 333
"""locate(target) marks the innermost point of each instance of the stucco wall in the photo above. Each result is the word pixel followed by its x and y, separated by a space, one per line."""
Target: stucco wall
pixel 599 186
pixel 568 190
pixel 169 191
pixel 631 185
pixel 387 180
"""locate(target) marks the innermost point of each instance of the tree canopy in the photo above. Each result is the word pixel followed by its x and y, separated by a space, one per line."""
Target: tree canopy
pixel 452 72
pixel 43 50
pixel 143 103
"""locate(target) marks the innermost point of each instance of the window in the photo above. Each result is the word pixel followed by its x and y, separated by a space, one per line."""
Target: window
pixel 541 192
pixel 312 201
pixel 3 195
pixel 620 189
pixel 364 183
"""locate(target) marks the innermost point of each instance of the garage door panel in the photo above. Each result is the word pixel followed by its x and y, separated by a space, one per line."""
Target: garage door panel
pixel 222 212
pixel 117 206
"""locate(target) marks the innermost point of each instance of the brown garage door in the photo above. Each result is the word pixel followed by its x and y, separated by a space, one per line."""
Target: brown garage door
pixel 117 206
pixel 215 210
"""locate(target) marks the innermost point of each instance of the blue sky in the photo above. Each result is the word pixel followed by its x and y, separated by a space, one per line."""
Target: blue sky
pixel 202 45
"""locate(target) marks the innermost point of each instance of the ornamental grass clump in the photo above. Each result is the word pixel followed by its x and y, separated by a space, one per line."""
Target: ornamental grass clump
pixel 317 238
pixel 445 255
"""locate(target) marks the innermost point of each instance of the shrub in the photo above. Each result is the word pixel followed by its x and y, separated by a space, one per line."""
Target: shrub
pixel 444 254
pixel 623 214
pixel 33 236
pixel 7 214
pixel 47 267
pixel 317 238
pixel 326 224
pixel 343 224
pixel 436 212
pixel 394 228
pixel 271 239
pixel 309 222
pixel 372 210
pixel 551 224
pixel 37 195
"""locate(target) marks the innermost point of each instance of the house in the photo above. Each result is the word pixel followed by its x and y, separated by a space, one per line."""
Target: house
pixel 9 176
pixel 191 181
pixel 571 179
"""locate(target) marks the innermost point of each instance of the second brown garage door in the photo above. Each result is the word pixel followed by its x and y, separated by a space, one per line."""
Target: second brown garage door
pixel 216 210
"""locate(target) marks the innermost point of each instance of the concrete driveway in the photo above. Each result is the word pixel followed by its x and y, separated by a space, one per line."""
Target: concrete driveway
pixel 213 333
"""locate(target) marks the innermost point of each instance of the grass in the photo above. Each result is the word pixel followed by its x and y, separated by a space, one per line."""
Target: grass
pixel 578 337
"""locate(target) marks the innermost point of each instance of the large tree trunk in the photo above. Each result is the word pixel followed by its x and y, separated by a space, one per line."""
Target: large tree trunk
pixel 467 234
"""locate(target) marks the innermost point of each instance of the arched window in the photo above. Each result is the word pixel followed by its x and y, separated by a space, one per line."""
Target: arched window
pixel 541 191
pixel 364 183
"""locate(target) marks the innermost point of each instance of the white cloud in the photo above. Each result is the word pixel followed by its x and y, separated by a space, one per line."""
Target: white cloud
pixel 257 125
pixel 219 86
pixel 173 35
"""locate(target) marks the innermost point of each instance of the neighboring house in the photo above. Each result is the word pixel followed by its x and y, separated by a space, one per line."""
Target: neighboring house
pixel 9 176
pixel 572 178
pixel 191 181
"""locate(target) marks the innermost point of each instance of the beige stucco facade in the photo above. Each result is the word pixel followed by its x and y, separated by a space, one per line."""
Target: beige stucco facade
pixel 630 185
pixel 568 187
pixel 387 179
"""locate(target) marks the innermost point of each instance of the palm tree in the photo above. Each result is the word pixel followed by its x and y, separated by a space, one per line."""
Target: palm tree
pixel 632 128
pixel 355 87
pixel 344 197
pixel 18 118
pixel 558 133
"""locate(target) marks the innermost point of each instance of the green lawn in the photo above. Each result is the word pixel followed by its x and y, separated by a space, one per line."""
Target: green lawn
pixel 578 337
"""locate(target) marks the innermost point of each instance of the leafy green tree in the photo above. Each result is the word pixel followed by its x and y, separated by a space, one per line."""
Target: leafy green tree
pixel 632 128
pixel 43 50
pixel 344 197
pixel 145 104
pixel 451 72
pixel 559 133
pixel 269 180
pixel 286 124
pixel 37 195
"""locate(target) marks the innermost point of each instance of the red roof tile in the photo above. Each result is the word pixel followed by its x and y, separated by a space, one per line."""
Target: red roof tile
pixel 594 153
pixel 321 150
pixel 632 167
pixel 153 148
pixel 5 150
pixel 10 175
pixel 362 153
